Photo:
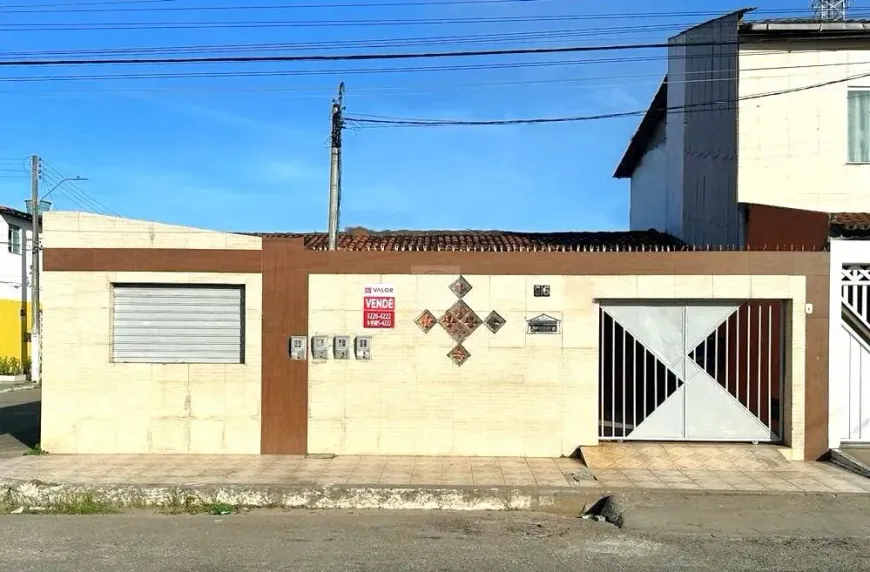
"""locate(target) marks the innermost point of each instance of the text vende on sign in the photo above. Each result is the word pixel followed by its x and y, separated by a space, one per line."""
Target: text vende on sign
pixel 379 306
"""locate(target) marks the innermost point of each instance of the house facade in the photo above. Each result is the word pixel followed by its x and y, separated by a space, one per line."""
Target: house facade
pixel 169 339
pixel 15 260
pixel 773 113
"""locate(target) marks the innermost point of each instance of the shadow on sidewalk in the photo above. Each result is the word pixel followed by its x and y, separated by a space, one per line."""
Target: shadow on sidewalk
pixel 19 426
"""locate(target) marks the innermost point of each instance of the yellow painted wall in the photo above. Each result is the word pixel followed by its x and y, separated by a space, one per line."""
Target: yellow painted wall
pixel 10 328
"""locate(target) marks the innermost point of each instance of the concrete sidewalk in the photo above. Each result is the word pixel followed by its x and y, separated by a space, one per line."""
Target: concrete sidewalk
pixel 297 470
pixel 458 483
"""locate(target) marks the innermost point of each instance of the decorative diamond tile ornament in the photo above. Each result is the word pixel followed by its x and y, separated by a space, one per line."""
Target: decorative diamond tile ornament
pixel 453 326
pixel 460 287
pixel 459 321
pixel 494 321
pixel 459 355
pixel 426 321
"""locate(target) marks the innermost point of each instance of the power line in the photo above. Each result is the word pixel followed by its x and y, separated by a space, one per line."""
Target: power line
pixel 74 192
pixel 376 4
pixel 514 37
pixel 76 8
pixel 367 71
pixel 98 3
pixel 388 56
pixel 412 122
pixel 94 26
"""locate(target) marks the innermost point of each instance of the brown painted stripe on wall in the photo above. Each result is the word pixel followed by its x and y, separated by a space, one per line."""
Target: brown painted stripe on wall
pixel 284 410
pixel 286 267
pixel 151 260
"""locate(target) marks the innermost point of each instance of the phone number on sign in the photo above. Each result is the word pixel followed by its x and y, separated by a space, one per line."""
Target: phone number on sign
pixel 378 320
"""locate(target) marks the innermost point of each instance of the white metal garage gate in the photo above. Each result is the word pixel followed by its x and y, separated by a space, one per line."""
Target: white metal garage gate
pixel 691 371
pixel 855 301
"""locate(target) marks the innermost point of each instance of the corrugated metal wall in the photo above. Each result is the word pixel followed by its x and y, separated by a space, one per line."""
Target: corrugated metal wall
pixel 178 324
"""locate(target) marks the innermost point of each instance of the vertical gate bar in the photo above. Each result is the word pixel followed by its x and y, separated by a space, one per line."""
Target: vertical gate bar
pixel 656 382
pixel 769 365
pixel 727 345
pixel 758 378
pixel 686 371
pixel 623 382
pixel 748 352
pixel 716 352
pixel 737 358
pixel 601 371
pixel 613 378
pixel 782 357
pixel 645 400
pixel 634 386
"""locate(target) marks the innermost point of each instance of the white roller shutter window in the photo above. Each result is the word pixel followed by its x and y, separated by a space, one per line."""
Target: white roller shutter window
pixel 178 324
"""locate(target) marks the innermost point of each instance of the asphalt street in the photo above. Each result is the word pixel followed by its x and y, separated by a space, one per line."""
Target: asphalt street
pixel 429 541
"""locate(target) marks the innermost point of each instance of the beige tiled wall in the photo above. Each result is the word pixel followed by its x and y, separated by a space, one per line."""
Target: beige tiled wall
pixel 793 146
pixel 86 230
pixel 92 405
pixel 518 394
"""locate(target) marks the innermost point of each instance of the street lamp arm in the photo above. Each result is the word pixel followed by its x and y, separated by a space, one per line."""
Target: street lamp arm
pixel 59 183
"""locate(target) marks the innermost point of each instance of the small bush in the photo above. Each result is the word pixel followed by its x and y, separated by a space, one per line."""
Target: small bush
pixel 11 366
pixel 36 450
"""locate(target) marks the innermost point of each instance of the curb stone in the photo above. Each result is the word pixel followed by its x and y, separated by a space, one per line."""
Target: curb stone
pixel 22 387
pixel 40 494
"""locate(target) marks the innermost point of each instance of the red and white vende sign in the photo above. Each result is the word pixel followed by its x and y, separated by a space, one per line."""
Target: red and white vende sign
pixel 379 306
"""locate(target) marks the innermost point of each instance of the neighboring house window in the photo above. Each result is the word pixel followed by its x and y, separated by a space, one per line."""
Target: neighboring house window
pixel 14 241
pixel 178 323
pixel 859 126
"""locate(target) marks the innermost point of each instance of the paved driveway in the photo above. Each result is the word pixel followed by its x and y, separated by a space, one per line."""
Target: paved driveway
pixel 19 421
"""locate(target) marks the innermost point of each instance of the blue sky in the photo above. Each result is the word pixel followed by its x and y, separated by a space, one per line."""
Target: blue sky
pixel 250 153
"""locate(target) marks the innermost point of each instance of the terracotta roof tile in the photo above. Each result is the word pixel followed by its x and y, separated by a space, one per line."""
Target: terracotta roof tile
pixel 487 240
pixel 851 220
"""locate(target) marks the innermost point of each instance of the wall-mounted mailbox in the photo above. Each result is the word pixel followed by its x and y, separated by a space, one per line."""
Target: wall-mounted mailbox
pixel 298 347
pixel 543 324
pixel 319 347
pixel 541 291
pixel 341 347
pixel 363 347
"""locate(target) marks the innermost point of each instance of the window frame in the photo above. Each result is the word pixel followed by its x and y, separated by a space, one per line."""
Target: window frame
pixel 849 90
pixel 14 236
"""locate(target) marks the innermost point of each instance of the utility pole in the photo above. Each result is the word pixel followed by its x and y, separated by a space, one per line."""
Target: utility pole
pixel 23 311
pixel 335 166
pixel 34 270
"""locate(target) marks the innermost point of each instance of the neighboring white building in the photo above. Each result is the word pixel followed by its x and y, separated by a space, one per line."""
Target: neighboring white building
pixel 772 112
pixel 849 323
pixel 15 248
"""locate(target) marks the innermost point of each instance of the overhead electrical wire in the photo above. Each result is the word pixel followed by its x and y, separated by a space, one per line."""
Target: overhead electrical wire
pixel 73 191
pixel 297 6
pixel 415 122
pixel 95 3
pixel 368 71
pixel 391 56
pixel 217 24
pixel 174 7
pixel 728 74
pixel 515 37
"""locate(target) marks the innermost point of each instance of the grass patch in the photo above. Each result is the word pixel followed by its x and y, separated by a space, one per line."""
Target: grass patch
pixel 82 504
pixel 189 504
pixel 36 450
